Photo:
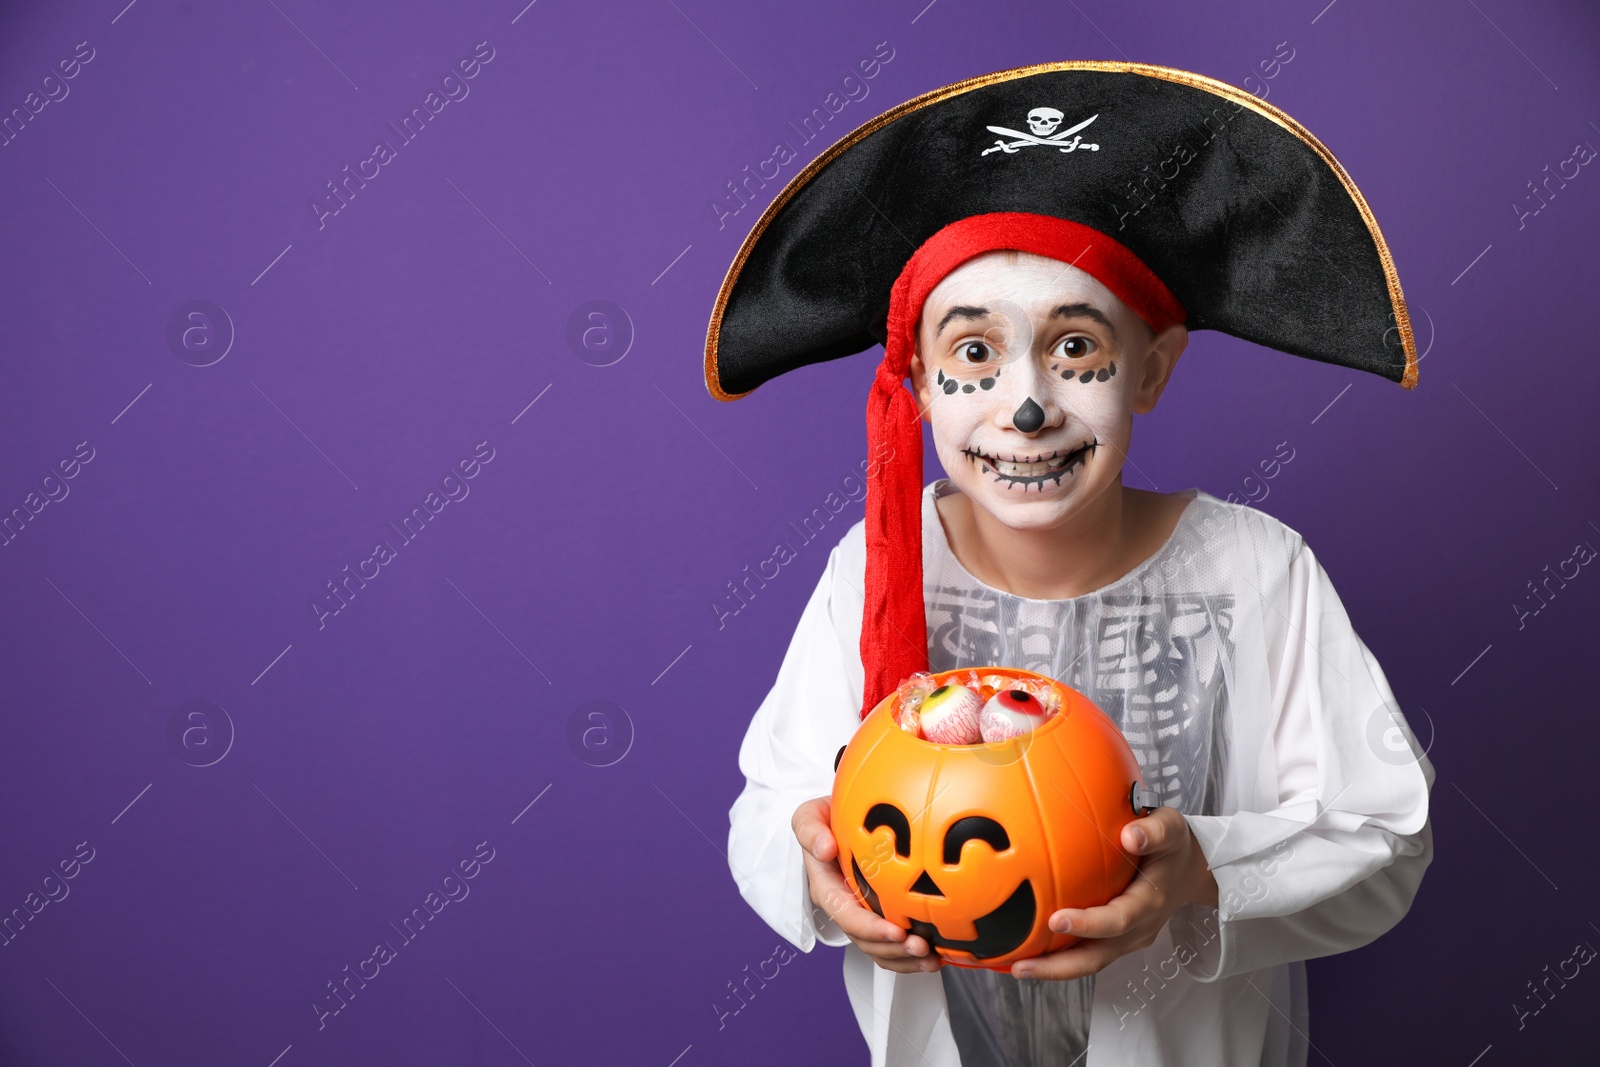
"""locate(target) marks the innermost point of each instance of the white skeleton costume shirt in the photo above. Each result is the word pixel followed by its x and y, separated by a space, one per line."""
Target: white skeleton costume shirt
pixel 1228 661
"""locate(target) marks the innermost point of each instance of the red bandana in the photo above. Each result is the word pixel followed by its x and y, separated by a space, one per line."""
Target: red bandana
pixel 894 628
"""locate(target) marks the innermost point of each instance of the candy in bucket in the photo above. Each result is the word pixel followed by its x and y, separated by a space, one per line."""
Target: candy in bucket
pixel 974 707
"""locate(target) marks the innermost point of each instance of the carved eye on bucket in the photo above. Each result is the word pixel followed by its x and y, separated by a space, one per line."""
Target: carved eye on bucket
pixel 973 828
pixel 892 817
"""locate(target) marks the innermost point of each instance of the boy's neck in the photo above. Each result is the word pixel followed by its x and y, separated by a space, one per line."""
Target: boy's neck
pixel 1105 539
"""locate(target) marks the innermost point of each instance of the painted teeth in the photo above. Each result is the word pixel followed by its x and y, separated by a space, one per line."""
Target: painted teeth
pixel 1030 470
pixel 1037 471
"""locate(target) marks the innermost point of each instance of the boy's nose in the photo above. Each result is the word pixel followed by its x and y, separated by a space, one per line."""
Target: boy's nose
pixel 1028 417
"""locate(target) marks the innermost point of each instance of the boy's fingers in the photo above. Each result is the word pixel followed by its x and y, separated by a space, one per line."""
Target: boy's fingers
pixel 915 946
pixel 910 966
pixel 1084 958
pixel 829 891
pixel 865 927
pixel 832 893
pixel 892 950
pixel 1108 920
pixel 873 934
pixel 826 876
pixel 811 828
pixel 816 839
pixel 1156 832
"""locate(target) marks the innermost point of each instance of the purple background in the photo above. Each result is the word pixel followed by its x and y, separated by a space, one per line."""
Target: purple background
pixel 376 351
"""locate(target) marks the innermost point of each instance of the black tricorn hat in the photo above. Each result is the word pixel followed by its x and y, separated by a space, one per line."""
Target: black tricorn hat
pixel 1244 215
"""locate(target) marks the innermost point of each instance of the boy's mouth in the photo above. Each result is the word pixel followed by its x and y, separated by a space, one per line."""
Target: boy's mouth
pixel 1026 470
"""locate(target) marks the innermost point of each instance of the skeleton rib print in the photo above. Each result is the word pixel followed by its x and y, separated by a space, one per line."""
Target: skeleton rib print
pixel 1155 663
pixel 1156 651
pixel 1158 664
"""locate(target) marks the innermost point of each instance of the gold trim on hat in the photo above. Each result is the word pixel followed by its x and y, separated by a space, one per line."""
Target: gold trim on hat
pixel 1182 77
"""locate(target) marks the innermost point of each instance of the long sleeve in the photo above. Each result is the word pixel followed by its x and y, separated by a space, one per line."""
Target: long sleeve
pixel 1338 861
pixel 787 752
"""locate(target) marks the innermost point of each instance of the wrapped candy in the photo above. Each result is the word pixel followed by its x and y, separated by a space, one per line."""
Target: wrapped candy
pixel 915 688
pixel 909 697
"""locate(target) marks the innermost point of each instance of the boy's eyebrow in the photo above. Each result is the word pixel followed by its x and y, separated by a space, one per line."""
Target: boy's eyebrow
pixel 960 311
pixel 1087 311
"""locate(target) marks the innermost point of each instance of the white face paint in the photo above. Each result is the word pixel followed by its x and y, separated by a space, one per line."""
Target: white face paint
pixel 1006 342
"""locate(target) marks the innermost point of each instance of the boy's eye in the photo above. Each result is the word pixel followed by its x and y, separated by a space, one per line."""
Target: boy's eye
pixel 1076 347
pixel 974 352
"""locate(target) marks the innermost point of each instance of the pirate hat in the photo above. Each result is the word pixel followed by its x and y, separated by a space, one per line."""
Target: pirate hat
pixel 1191 200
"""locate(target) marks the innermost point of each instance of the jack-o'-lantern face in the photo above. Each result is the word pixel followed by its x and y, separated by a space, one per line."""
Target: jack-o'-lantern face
pixel 995 933
pixel 973 847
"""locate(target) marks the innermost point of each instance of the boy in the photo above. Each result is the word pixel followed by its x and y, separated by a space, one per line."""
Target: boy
pixel 1035 314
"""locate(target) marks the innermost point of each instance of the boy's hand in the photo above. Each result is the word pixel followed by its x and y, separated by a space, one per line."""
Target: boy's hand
pixel 890 946
pixel 1172 873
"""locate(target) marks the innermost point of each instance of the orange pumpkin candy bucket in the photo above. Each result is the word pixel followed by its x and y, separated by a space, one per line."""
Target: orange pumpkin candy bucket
pixel 974 846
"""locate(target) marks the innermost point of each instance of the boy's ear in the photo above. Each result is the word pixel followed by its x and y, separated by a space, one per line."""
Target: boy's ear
pixel 1157 366
pixel 919 385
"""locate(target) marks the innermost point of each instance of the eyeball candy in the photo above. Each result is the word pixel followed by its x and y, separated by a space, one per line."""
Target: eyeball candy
pixel 949 716
pixel 1010 713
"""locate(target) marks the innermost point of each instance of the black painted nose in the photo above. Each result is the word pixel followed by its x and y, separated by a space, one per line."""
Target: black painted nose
pixel 1029 417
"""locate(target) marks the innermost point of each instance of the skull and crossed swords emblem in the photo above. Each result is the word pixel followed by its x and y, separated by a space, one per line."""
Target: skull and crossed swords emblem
pixel 1043 122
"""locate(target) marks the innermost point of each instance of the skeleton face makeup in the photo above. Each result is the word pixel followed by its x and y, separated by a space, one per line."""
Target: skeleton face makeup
pixel 1029 371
